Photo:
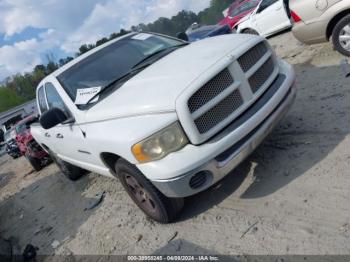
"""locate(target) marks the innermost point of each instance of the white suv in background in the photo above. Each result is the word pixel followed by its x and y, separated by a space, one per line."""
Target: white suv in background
pixel 269 17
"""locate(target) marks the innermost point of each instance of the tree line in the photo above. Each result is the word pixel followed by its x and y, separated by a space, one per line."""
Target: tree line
pixel 21 87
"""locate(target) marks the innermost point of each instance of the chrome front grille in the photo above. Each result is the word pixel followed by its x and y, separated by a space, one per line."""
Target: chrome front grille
pixel 210 90
pixel 261 75
pixel 224 97
pixel 219 112
pixel 249 59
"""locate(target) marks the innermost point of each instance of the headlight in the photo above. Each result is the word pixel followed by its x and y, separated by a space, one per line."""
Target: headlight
pixel 159 145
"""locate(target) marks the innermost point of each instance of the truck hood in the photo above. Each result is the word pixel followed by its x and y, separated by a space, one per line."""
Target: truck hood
pixel 156 88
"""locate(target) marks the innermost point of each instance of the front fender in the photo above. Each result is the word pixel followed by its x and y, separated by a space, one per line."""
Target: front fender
pixel 118 135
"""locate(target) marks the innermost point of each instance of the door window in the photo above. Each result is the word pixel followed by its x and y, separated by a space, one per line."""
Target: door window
pixel 42 100
pixel 54 99
pixel 266 3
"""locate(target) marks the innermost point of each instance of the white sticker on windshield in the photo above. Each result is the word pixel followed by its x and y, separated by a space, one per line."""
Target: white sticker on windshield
pixel 141 36
pixel 85 94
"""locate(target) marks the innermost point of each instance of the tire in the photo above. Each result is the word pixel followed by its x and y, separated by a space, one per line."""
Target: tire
pixel 338 33
pixel 35 162
pixel 250 31
pixel 70 171
pixel 146 196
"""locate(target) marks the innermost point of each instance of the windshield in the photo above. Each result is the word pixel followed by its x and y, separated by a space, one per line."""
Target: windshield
pixel 112 62
pixel 24 126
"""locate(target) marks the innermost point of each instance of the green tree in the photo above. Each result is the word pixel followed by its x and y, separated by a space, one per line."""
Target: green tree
pixel 9 99
pixel 83 49
pixel 101 41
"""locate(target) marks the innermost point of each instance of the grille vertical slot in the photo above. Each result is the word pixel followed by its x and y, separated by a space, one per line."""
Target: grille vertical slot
pixel 258 79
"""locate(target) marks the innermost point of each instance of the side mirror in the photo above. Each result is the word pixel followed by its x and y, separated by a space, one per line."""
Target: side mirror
pixel 182 36
pixel 52 118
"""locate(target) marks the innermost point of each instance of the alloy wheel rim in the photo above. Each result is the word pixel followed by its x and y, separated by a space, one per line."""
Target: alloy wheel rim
pixel 344 37
pixel 140 194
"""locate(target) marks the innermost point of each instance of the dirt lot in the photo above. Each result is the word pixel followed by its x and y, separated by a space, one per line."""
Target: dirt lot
pixel 290 197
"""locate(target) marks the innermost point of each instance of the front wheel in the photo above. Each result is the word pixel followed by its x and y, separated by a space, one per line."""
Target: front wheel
pixel 341 36
pixel 146 196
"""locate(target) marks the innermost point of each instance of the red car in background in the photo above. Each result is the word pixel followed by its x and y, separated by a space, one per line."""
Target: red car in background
pixel 28 147
pixel 238 10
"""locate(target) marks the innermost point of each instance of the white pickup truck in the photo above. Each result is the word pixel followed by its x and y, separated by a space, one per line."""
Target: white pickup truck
pixel 168 118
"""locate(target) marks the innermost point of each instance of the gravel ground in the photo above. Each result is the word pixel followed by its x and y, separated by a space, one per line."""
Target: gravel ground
pixel 290 197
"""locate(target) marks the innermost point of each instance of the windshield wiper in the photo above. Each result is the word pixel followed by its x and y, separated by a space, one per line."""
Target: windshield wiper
pixel 169 49
pixel 114 82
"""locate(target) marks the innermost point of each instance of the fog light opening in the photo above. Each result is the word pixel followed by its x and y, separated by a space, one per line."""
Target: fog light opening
pixel 199 179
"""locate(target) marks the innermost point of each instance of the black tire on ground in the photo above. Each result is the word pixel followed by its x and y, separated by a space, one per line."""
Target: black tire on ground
pixel 336 34
pixel 146 196
pixel 16 156
pixel 250 31
pixel 70 171
pixel 35 162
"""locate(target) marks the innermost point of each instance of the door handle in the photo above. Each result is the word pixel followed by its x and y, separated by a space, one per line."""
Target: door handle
pixel 59 136
pixel 47 135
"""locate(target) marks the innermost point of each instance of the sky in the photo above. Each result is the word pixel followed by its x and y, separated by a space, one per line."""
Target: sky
pixel 31 29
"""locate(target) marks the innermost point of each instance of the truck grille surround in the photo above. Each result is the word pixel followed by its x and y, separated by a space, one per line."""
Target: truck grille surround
pixel 225 95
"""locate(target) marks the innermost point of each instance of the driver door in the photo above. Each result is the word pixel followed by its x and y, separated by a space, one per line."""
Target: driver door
pixel 271 17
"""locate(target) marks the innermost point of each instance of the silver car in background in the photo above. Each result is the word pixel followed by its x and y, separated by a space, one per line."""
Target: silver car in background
pixel 317 21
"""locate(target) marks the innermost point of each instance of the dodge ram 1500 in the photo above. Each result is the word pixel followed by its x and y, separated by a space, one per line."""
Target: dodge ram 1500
pixel 168 118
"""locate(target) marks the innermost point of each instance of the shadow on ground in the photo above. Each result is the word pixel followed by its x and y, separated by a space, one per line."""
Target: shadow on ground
pixel 183 247
pixel 318 122
pixel 51 209
pixel 5 178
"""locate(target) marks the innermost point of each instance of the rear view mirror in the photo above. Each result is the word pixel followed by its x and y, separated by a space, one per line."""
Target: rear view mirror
pixel 52 118
pixel 182 36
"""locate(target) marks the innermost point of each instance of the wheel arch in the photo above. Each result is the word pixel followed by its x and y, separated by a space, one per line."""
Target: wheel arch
pixel 109 160
pixel 243 29
pixel 334 21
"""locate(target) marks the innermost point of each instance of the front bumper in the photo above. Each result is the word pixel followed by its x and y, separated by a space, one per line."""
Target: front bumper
pixel 220 155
